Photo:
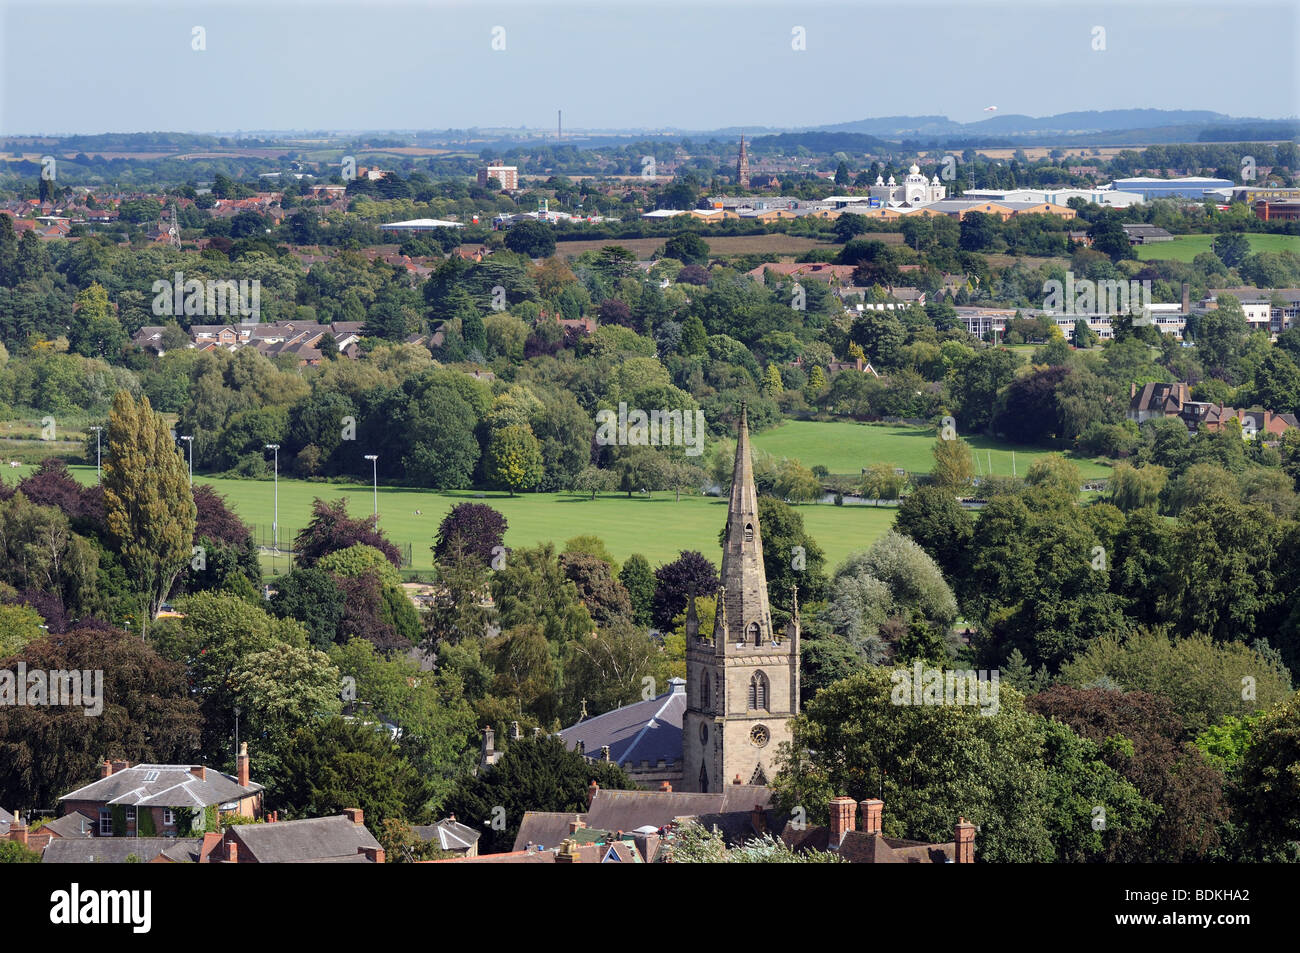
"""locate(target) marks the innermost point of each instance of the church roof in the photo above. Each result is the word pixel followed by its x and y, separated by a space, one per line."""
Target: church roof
pixel 643 731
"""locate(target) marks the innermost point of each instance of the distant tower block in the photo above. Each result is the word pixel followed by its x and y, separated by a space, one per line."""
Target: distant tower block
pixel 742 165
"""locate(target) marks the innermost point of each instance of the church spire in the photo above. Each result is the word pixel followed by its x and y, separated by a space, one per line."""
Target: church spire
pixel 742 165
pixel 744 616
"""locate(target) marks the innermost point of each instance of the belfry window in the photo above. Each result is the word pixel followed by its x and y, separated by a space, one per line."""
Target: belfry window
pixel 758 691
pixel 704 691
pixel 755 634
pixel 749 532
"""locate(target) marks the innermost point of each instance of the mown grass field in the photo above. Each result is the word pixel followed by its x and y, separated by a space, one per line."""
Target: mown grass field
pixel 659 528
pixel 848 447
pixel 1186 247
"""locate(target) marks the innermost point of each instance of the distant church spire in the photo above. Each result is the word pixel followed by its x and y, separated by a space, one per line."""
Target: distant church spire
pixel 742 165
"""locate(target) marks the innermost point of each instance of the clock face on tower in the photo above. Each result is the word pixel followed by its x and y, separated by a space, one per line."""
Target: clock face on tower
pixel 759 736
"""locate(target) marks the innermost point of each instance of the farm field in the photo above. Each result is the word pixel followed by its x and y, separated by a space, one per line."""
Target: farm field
pixel 1186 247
pixel 659 528
pixel 847 447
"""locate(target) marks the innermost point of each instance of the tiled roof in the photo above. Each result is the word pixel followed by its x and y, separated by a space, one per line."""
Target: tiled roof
pixel 115 850
pixel 643 731
pixel 163 785
pixel 450 834
pixel 75 824
pixel 312 839
pixel 859 847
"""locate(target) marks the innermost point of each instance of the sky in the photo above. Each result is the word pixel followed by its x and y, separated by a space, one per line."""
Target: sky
pixel 99 66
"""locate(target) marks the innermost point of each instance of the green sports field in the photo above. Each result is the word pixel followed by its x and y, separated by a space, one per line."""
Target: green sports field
pixel 847 447
pixel 659 528
pixel 1186 247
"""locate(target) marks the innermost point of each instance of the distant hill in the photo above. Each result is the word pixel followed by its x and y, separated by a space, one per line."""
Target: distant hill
pixel 1111 126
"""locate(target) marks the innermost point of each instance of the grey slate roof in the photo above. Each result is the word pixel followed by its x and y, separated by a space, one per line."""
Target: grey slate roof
pixel 163 785
pixel 731 811
pixel 76 824
pixel 643 731
pixel 115 850
pixel 315 839
pixel 450 834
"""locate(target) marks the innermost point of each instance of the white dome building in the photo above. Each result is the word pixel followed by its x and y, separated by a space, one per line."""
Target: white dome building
pixel 914 191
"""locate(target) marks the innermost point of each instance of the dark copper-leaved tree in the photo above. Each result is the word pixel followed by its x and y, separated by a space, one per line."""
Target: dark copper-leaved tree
pixel 1140 737
pixel 331 529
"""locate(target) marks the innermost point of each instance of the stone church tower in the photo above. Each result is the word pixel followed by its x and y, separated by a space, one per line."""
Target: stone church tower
pixel 742 683
pixel 742 166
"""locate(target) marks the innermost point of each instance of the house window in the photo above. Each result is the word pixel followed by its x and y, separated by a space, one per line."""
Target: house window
pixel 105 822
pixel 758 690
pixel 169 817
pixel 130 816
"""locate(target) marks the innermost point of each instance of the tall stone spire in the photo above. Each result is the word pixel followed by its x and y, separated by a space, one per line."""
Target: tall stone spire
pixel 742 165
pixel 747 619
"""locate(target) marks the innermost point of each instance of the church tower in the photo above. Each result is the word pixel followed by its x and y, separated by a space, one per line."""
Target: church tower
pixel 742 682
pixel 742 166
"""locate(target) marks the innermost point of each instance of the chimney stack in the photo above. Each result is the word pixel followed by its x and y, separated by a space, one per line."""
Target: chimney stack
pixel 120 765
pixel 18 830
pixel 199 771
pixel 232 852
pixel 591 792
pixel 515 733
pixel 355 815
pixel 568 853
pixel 576 824
pixel 871 814
pixel 374 854
pixel 965 842
pixel 1187 298
pixel 604 752
pixel 843 819
pixel 241 764
pixel 106 769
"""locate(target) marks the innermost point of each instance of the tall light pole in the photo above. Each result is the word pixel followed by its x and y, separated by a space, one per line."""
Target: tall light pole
pixel 275 520
pixel 190 441
pixel 97 457
pixel 374 469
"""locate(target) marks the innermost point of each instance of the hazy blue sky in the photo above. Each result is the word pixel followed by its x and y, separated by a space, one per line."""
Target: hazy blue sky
pixel 92 67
